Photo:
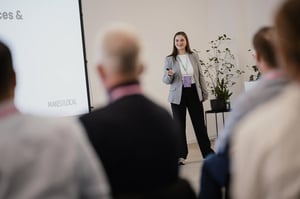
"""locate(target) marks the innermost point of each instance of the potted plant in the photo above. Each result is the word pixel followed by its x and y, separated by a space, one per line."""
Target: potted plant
pixel 221 72
pixel 254 75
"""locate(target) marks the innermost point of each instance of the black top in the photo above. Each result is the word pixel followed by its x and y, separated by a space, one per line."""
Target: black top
pixel 137 142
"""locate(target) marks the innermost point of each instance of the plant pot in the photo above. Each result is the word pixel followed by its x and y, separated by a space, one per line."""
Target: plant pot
pixel 219 105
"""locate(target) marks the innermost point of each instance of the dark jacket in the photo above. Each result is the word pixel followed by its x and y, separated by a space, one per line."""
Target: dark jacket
pixel 137 143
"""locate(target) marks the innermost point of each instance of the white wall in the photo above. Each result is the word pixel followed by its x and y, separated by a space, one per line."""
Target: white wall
pixel 158 20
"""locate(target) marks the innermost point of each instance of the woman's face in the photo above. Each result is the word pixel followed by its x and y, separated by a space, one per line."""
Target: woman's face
pixel 180 42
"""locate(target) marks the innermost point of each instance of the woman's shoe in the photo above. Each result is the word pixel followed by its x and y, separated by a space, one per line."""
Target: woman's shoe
pixel 181 161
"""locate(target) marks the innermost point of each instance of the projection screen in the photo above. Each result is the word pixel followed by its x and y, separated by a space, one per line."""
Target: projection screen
pixel 46 40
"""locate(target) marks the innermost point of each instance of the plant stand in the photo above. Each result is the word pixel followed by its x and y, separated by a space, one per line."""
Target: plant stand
pixel 216 118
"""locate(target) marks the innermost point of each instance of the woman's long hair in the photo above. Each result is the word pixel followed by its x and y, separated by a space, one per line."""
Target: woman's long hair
pixel 187 48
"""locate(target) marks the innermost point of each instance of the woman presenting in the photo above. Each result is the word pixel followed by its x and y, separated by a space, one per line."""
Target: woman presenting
pixel 187 91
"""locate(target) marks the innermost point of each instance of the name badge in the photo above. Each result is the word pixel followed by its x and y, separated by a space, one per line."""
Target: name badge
pixel 187 81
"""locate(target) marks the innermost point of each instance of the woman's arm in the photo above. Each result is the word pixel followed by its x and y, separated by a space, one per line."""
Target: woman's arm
pixel 203 84
pixel 202 79
pixel 168 71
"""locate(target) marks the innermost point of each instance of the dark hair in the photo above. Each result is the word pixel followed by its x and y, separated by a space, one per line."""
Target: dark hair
pixel 287 26
pixel 7 73
pixel 187 48
pixel 263 42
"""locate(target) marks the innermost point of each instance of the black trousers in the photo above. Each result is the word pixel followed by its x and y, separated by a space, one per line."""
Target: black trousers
pixel 190 101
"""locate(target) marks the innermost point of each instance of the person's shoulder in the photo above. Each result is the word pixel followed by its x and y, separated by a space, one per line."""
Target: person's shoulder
pixel 97 112
pixel 288 101
pixel 157 109
pixel 48 133
pixel 283 104
pixel 275 129
pixel 193 54
pixel 49 126
pixel 261 93
pixel 169 58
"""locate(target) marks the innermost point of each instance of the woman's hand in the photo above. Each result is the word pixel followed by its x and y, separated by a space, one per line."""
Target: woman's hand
pixel 170 72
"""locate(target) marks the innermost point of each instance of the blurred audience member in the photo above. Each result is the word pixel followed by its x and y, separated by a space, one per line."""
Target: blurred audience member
pixel 43 158
pixel 215 169
pixel 265 158
pixel 135 138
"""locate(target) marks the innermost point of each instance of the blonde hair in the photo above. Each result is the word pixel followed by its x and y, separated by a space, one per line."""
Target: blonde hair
pixel 119 48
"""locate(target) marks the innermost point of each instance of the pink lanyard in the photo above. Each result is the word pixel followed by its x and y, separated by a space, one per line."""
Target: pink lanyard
pixel 124 91
pixel 274 75
pixel 7 111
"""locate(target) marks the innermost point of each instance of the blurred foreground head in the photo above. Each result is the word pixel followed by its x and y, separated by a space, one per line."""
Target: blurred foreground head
pixel 7 74
pixel 263 42
pixel 119 55
pixel 287 24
